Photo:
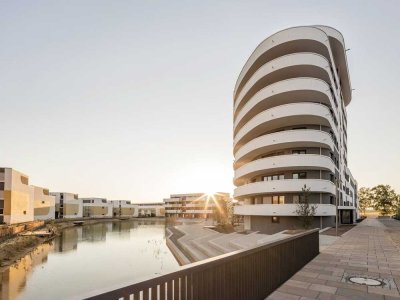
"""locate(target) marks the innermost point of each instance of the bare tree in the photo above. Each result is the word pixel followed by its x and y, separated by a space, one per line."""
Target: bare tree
pixel 305 211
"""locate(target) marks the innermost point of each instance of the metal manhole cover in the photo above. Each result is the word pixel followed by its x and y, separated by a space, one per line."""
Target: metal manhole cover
pixel 366 281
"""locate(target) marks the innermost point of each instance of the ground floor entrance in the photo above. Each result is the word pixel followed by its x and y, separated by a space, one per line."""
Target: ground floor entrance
pixel 346 216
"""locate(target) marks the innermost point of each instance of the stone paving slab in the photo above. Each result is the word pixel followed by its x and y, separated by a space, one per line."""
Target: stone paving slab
pixel 369 250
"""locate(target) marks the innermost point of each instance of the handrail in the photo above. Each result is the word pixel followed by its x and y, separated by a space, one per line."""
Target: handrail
pixel 244 274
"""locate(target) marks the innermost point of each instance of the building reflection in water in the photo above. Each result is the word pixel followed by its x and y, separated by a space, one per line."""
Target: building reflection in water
pixel 96 232
pixel 13 280
pixel 68 240
pixel 148 244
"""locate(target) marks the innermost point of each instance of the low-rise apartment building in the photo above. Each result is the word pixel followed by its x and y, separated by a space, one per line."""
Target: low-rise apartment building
pixel 97 208
pixel 68 205
pixel 16 197
pixel 43 204
pixel 124 208
pixel 155 209
pixel 194 205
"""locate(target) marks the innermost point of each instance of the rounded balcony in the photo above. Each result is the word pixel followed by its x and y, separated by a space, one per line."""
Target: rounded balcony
pixel 323 40
pixel 285 67
pixel 282 163
pixel 280 140
pixel 288 91
pixel 284 115
pixel 284 186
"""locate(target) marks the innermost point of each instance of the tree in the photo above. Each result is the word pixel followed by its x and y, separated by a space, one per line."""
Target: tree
pixel 221 212
pixel 305 211
pixel 365 199
pixel 385 199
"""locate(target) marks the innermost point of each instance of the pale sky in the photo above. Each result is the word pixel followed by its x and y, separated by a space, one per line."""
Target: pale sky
pixel 133 99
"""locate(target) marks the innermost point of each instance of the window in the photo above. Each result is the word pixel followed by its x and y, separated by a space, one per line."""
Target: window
pixel 278 199
pixel 1 186
pixel 303 151
pixel 273 177
pixel 104 200
pixel 42 202
pixel 275 219
pixel 296 199
pixel 24 180
pixel 267 200
pixel 300 175
pixel 86 201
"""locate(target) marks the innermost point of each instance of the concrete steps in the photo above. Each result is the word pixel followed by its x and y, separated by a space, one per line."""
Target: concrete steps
pixel 222 243
pixel 202 244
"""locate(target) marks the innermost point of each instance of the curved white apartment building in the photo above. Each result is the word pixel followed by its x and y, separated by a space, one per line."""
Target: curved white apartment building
pixel 290 130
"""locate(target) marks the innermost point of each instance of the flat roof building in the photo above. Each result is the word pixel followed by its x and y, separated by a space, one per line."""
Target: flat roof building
pixel 68 205
pixel 43 204
pixel 290 130
pixel 124 208
pixel 16 197
pixel 97 208
pixel 193 205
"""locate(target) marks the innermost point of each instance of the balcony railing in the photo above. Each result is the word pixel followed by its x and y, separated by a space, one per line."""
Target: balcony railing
pixel 245 274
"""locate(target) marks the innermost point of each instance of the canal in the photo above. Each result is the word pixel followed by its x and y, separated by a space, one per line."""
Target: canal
pixel 90 257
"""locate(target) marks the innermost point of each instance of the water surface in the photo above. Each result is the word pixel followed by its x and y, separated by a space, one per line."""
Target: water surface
pixel 90 257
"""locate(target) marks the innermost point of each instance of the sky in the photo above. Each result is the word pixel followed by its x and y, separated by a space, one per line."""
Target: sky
pixel 133 99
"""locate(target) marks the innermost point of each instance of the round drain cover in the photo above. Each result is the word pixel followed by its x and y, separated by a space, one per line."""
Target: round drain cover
pixel 365 281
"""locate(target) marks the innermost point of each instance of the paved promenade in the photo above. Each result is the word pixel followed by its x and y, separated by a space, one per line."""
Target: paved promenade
pixel 371 250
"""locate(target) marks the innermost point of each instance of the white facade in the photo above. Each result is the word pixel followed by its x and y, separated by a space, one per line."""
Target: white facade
pixel 290 130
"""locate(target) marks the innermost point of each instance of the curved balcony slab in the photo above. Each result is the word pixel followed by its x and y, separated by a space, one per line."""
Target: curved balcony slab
pixel 293 65
pixel 284 115
pixel 281 210
pixel 301 89
pixel 324 40
pixel 281 140
pixel 284 186
pixel 302 34
pixel 281 163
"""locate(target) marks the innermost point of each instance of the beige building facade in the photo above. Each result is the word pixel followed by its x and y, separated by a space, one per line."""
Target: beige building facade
pixel 155 209
pixel 16 197
pixel 43 203
pixel 68 205
pixel 96 208
pixel 124 208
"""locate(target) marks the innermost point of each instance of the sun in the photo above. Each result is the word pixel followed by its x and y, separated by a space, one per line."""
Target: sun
pixel 211 193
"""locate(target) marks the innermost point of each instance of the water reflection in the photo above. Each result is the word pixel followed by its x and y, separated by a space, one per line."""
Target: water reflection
pixel 85 258
pixel 14 279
